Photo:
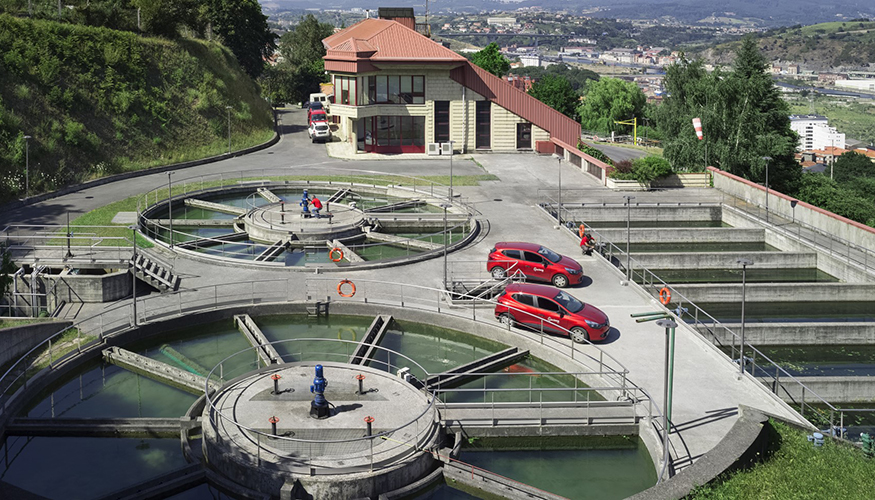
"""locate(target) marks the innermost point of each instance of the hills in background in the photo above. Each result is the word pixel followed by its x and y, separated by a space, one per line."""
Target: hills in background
pixel 768 13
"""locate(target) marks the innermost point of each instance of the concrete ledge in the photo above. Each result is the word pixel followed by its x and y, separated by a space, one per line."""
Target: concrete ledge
pixel 850 389
pixel 746 441
pixel 691 235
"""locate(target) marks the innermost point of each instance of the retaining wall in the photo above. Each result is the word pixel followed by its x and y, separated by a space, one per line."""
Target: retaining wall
pixel 593 212
pixel 779 203
pixel 833 389
pixel 17 340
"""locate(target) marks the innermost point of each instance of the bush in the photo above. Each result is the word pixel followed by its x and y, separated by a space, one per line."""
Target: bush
pixel 646 169
pixel 595 153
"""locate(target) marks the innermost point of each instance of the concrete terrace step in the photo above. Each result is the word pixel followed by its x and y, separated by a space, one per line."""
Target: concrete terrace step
pixel 154 274
pixel 836 390
pixel 682 235
pixel 776 292
pixel 757 334
pixel 724 260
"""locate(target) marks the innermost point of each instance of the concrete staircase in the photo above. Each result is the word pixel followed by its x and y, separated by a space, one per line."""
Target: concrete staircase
pixel 155 274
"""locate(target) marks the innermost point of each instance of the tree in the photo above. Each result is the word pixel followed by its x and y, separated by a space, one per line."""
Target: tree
pixel 743 119
pixel 491 60
pixel 163 17
pixel 557 93
pixel 852 166
pixel 609 100
pixel 303 45
pixel 243 29
pixel 7 268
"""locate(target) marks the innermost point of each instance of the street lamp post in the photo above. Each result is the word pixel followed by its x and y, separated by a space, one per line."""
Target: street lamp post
pixel 669 326
pixel 27 166
pixel 628 235
pixel 229 128
pixel 767 160
pixel 451 166
pixel 170 207
pixel 559 208
pixel 133 229
pixel 744 263
pixel 445 206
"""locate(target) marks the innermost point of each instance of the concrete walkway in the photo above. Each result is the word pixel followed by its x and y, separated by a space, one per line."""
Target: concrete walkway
pixel 706 388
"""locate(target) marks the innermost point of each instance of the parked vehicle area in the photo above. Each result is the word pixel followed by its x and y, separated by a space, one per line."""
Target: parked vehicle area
pixel 550 310
pixel 533 261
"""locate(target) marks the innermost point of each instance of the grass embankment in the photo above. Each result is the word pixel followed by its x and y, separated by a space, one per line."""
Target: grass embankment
pixel 798 470
pixel 103 216
pixel 96 101
pixel 12 322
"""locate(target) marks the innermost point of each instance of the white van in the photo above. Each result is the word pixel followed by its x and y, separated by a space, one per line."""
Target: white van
pixel 320 97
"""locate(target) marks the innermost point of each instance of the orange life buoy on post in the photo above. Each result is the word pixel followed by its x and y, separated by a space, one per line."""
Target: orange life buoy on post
pixel 331 253
pixel 340 288
pixel 665 295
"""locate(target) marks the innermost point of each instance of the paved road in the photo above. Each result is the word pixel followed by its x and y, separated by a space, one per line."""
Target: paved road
pixel 707 391
pixel 617 153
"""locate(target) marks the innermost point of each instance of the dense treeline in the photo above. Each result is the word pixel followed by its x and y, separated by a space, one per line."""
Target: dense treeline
pixel 97 101
pixel 238 24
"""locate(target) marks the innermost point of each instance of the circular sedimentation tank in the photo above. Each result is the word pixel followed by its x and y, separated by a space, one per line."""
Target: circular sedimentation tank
pixel 264 223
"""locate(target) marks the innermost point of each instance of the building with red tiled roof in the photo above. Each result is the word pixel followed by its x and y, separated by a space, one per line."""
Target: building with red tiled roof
pixel 397 91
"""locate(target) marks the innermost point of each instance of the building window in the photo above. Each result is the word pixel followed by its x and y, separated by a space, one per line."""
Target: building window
pixel 524 136
pixel 393 134
pixel 441 121
pixel 483 125
pixel 395 89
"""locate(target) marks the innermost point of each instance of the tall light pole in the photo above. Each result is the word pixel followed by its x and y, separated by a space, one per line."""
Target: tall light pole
pixel 445 206
pixel 669 326
pixel 559 208
pixel 744 263
pixel 229 128
pixel 628 235
pixel 133 228
pixel 170 207
pixel 27 138
pixel 451 166
pixel 767 160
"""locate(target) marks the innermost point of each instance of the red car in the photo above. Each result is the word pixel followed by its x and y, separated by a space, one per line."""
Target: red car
pixel 555 311
pixel 534 261
pixel 316 116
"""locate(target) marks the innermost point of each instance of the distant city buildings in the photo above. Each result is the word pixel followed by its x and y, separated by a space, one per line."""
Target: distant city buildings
pixel 815 133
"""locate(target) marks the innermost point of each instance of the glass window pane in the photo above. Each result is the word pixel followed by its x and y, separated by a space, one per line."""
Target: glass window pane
pixel 381 89
pixel 394 131
pixel 394 90
pixel 419 131
pixel 383 130
pixel 418 84
pixel 406 85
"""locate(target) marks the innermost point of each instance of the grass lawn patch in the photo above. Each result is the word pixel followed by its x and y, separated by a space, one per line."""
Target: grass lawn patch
pixel 796 469
pixel 11 322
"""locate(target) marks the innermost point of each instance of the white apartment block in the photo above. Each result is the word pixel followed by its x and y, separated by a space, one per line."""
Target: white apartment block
pixel 815 133
pixel 863 84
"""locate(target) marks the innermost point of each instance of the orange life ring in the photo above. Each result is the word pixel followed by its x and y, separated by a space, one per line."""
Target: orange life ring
pixel 340 288
pixel 339 258
pixel 665 295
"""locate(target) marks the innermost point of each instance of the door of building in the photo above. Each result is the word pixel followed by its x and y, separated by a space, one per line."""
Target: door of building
pixel 524 136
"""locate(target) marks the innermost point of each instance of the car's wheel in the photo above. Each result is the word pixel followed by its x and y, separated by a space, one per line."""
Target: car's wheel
pixel 506 319
pixel 579 335
pixel 560 280
pixel 499 273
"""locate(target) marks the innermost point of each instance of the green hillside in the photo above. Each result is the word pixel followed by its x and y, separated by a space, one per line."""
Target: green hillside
pixel 820 46
pixel 98 101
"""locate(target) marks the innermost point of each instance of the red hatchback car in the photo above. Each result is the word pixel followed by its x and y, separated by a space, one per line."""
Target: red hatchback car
pixel 534 261
pixel 541 306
